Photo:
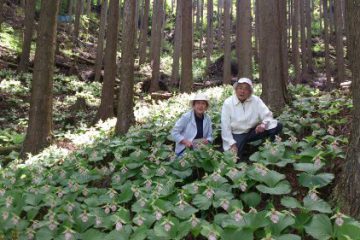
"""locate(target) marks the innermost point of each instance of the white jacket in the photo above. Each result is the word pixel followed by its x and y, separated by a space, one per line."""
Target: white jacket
pixel 238 117
pixel 185 128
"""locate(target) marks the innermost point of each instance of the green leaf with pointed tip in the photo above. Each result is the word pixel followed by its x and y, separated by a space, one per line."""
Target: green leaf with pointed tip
pixel 290 202
pixel 252 199
pixel 271 178
pixel 308 167
pixel 320 227
pixel 318 205
pixel 281 188
pixel 185 213
pixel 202 202
pixel 318 180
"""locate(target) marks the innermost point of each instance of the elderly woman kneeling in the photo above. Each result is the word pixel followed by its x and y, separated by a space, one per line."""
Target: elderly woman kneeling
pixel 193 126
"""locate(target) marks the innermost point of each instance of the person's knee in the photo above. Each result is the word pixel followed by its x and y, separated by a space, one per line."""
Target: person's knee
pixel 279 127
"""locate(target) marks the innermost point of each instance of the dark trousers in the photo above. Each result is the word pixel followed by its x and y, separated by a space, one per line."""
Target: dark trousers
pixel 251 136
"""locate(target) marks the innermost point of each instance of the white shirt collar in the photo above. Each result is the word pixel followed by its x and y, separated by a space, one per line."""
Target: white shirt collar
pixel 236 100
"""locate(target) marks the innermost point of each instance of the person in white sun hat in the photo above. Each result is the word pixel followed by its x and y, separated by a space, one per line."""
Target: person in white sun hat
pixel 193 126
pixel 245 118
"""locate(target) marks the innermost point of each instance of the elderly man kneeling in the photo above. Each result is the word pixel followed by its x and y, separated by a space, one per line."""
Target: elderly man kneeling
pixel 245 118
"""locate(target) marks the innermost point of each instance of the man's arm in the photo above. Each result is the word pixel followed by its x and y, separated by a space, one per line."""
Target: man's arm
pixel 226 134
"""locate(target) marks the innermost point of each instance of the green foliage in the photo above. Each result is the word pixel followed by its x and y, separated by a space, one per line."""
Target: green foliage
pixel 134 187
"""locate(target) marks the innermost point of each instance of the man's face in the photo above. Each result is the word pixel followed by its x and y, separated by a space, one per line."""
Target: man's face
pixel 243 91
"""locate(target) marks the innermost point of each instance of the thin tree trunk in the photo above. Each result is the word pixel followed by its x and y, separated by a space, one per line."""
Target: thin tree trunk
pixel 186 47
pixel 295 40
pixel 309 57
pixel 209 33
pixel 272 62
pixel 303 40
pixel 1 10
pixel 106 109
pixel 156 45
pixel 347 191
pixel 144 33
pixel 227 45
pixel 339 43
pixel 177 45
pixel 88 8
pixel 29 23
pixel 38 135
pixel 100 45
pixel 79 7
pixel 201 13
pixel 327 41
pixel 243 38
pixel 125 113
pixel 256 32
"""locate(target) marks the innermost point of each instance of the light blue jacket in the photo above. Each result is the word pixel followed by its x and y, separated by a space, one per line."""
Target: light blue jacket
pixel 185 128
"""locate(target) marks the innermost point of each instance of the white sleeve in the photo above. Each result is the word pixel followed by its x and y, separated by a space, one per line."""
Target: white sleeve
pixel 266 116
pixel 226 134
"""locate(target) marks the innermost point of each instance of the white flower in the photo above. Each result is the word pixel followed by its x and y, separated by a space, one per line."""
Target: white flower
pixel 317 161
pixel 238 216
pixel 145 169
pixel 5 215
pixel 167 227
pixel 70 207
pixel 2 192
pixel 216 177
pixel 148 184
pixel 182 163
pixel 161 171
pixel 339 221
pixel 194 222
pixel 212 236
pixel 15 220
pixel 158 215
pixel 209 193
pixel 118 226
pixel 142 203
pixel 9 201
pixel 225 205
pixel 107 210
pixel 84 217
pixel 195 188
pixel 117 179
pixel 275 217
pixel 68 235
pixel 314 196
pixel 124 170
pixel 98 221
pixel 52 226
pixel 85 192
pixel 113 207
pixel 278 139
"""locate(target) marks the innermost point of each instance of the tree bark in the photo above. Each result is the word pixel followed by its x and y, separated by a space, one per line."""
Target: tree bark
pixel 38 135
pixel 327 41
pixel 88 8
pixel 347 191
pixel 303 40
pixel 156 45
pixel 243 38
pixel 295 40
pixel 144 33
pixel 339 43
pixel 1 10
pixel 272 62
pixel 177 45
pixel 106 109
pixel 209 33
pixel 29 23
pixel 78 11
pixel 309 57
pixel 186 47
pixel 227 45
pixel 125 113
pixel 101 39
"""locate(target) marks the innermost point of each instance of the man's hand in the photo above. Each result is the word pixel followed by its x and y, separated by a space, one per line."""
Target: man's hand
pixel 187 143
pixel 234 148
pixel 205 141
pixel 260 128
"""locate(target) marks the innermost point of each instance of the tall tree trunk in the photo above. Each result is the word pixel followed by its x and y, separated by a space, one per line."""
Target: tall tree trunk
pixel 227 45
pixel 29 23
pixel 209 33
pixel 1 10
pixel 256 32
pixel 156 45
pixel 88 8
pixel 100 45
pixel 106 109
pixel 272 62
pixel 348 190
pixel 303 40
pixel 186 47
pixel 309 57
pixel 177 45
pixel 201 13
pixel 79 7
pixel 327 41
pixel 144 33
pixel 38 135
pixel 295 40
pixel 243 38
pixel 125 113
pixel 70 13
pixel 339 43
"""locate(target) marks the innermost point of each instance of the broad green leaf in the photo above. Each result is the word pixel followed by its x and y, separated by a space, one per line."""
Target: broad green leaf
pixel 271 178
pixel 290 202
pixel 318 205
pixel 252 199
pixel 281 188
pixel 320 227
pixel 288 237
pixel 350 229
pixel 202 202
pixel 236 234
pixel 308 167
pixel 185 213
pixel 92 234
pixel 318 180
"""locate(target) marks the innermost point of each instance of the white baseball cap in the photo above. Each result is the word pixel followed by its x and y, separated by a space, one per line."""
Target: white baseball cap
pixel 243 80
pixel 199 97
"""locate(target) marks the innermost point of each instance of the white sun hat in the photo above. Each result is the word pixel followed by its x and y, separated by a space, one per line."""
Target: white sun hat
pixel 199 97
pixel 243 80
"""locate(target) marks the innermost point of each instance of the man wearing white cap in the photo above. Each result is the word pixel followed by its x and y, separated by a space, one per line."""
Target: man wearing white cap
pixel 193 126
pixel 245 118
